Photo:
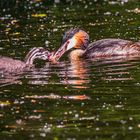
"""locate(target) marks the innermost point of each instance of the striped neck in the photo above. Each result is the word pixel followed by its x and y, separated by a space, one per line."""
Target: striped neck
pixel 35 53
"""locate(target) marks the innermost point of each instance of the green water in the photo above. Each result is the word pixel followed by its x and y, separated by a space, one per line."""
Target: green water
pixel 97 99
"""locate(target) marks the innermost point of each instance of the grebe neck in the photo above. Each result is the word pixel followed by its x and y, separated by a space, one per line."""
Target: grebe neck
pixel 76 54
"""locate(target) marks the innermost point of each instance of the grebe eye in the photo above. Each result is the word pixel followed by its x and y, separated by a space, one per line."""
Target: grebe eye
pixel 63 34
pixel 41 50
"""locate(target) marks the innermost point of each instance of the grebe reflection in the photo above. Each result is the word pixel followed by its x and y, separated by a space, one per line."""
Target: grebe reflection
pixel 77 74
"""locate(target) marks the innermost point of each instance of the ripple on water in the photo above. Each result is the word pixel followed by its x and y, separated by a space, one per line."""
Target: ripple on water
pixel 87 99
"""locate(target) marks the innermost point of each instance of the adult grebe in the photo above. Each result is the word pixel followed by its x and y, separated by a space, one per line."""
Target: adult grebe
pixel 9 65
pixel 79 39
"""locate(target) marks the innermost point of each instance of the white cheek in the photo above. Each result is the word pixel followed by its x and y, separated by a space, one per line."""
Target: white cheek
pixel 72 43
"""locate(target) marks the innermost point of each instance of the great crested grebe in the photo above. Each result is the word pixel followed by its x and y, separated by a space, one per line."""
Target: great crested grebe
pixel 10 65
pixel 79 39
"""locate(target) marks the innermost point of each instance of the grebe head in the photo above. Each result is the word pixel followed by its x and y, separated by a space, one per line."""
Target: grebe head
pixel 73 38
pixel 37 53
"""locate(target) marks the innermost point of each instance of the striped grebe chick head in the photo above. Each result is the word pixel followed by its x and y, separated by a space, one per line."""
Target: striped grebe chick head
pixel 37 53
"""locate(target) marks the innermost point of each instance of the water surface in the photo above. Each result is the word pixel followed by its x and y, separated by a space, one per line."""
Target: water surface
pixel 85 99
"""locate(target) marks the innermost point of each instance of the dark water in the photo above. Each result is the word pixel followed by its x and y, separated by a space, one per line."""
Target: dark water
pixel 86 99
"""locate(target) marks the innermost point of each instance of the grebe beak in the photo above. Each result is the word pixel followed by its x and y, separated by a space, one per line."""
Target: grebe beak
pixel 69 44
pixel 46 55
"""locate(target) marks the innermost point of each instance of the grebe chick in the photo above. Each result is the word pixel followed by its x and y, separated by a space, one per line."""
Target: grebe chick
pixel 10 65
pixel 77 38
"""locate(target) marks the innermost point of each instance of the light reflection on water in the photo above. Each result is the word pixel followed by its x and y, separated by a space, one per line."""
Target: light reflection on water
pixel 78 74
pixel 70 95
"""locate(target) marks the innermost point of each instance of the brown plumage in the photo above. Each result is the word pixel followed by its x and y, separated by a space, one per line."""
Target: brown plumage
pixel 10 65
pixel 112 47
pixel 79 39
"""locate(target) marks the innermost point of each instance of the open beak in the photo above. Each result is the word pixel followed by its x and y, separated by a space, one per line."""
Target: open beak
pixel 69 44
pixel 44 55
pixel 47 55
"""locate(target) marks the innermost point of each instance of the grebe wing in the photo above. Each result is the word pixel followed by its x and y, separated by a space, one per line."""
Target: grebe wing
pixel 10 65
pixel 108 43
pixel 138 43
pixel 111 47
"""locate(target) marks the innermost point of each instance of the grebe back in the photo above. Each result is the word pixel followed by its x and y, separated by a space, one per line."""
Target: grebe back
pixel 10 65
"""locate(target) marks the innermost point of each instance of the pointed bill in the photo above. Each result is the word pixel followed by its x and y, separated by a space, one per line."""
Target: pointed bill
pixel 65 47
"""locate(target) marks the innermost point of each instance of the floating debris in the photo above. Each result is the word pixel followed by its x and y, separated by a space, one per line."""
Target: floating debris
pixel 53 96
pixel 16 33
pixel 37 0
pixel 13 22
pixel 4 103
pixel 38 15
pixel 138 125
pixel 107 13
pixel 35 117
pixel 11 126
pixel 137 11
pixel 77 97
pixel 39 111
